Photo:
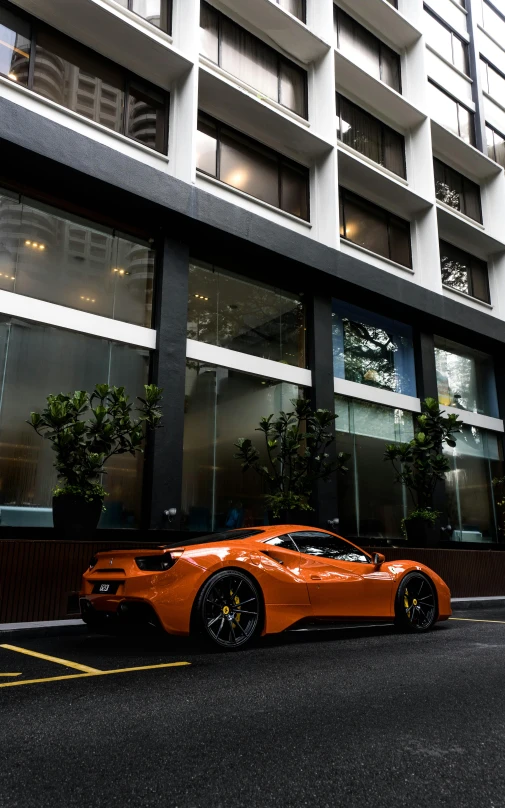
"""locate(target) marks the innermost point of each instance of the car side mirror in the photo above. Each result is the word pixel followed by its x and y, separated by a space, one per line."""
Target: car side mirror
pixel 378 559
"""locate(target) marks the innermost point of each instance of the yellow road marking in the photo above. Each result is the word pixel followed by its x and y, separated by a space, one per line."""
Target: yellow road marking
pixel 10 674
pixel 90 675
pixel 472 620
pixel 66 662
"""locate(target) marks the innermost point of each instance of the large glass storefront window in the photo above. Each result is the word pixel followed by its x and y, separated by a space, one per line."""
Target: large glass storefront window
pixel 36 361
pixel 475 461
pixel 221 406
pixel 371 505
pixel 465 378
pixel 371 349
pixel 233 312
pixel 45 256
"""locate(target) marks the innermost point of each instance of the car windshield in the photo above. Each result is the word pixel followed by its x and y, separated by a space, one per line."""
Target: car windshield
pixel 209 538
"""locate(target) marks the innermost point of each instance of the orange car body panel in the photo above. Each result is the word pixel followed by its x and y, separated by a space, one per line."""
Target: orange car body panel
pixel 294 585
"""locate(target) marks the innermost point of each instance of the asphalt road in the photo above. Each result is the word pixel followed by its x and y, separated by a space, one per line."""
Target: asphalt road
pixel 366 718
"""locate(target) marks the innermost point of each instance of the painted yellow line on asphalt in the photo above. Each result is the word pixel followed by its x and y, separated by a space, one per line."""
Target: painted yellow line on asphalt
pixel 10 674
pixel 472 620
pixel 57 660
pixel 91 675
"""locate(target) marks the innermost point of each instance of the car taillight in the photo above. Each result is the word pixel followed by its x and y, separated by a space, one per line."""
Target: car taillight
pixel 93 562
pixel 157 563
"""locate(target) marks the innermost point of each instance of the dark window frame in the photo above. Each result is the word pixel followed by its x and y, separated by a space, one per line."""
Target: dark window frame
pixel 471 263
pixel 279 57
pixel 303 18
pixel 465 182
pixel 383 127
pixel 256 145
pixel 387 216
pixel 495 131
pixel 382 45
pixel 454 35
pixel 491 66
pixel 166 15
pixel 459 106
pixel 129 79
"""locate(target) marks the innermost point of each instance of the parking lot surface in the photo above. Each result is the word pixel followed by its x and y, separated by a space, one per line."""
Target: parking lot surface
pixel 367 717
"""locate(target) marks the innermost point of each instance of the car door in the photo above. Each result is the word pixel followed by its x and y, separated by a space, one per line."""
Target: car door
pixel 341 579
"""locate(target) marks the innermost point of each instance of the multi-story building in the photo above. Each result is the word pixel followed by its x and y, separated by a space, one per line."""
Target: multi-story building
pixel 248 201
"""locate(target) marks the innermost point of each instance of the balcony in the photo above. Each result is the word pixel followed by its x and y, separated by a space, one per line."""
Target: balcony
pixel 456 151
pixel 116 33
pixel 458 229
pixel 381 17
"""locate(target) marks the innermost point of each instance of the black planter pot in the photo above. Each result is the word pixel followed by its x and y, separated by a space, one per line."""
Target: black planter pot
pixel 72 513
pixel 422 533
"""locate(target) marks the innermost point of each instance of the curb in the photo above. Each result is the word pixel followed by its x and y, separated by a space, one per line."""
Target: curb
pixel 48 628
pixel 462 604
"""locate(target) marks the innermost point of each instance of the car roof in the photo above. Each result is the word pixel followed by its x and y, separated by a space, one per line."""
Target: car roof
pixel 255 534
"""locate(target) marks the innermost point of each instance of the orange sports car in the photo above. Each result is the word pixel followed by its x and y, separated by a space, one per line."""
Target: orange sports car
pixel 231 587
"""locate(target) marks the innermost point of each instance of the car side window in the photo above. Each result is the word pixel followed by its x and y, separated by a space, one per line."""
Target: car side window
pixel 283 541
pixel 328 546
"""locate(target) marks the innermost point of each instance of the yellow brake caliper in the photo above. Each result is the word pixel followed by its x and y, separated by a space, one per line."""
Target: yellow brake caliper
pixel 406 599
pixel 236 601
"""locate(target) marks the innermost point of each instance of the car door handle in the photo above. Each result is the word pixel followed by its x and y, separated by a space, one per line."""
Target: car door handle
pixel 315 577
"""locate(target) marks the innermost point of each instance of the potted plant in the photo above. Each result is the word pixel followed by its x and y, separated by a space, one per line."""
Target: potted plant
pixel 420 465
pixel 296 446
pixel 85 430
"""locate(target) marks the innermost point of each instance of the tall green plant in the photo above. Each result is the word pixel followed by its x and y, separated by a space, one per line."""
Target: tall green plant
pixel 420 464
pixel 86 430
pixel 296 446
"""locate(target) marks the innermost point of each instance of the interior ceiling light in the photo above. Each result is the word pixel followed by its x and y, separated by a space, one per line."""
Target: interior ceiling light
pixel 13 76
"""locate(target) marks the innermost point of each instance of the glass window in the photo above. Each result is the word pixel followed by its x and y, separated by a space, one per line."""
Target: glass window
pixel 371 504
pixel 457 191
pixel 447 112
pixel 464 272
pixel 48 257
pixel 233 312
pixel 252 61
pixel 15 44
pixel 393 3
pixel 369 226
pixel 493 82
pixel 81 80
pixel 221 406
pixel 373 350
pixel 367 50
pixel 286 542
pixel 295 7
pixel 36 361
pixel 495 146
pixel 157 12
pixel 475 461
pixel 446 42
pixel 465 378
pixel 370 136
pixel 245 164
pixel 493 22
pixel 328 546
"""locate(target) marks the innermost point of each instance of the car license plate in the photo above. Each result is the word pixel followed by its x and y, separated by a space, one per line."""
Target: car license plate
pixel 105 587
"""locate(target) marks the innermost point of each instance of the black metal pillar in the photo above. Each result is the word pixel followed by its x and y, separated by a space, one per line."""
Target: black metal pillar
pixel 473 14
pixel 320 353
pixel 163 483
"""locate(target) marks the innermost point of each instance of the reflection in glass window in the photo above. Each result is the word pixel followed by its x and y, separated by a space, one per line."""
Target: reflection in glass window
pixel 493 82
pixel 295 7
pixel 233 312
pixel 15 44
pixel 247 165
pixel 475 461
pixel 368 51
pixel 374 228
pixel 370 136
pixel 465 378
pixel 495 146
pixel 36 361
pixel 221 406
pixel 445 41
pixel 370 504
pixel 328 546
pixel 157 12
pixel 457 191
pixel 72 263
pixel 447 112
pixel 492 21
pixel 464 272
pixel 252 61
pixel 373 350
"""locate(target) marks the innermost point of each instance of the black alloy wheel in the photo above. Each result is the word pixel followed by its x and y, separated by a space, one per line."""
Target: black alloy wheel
pixel 228 610
pixel 416 603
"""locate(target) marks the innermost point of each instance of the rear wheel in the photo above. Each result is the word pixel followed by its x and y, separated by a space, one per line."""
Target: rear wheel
pixel 416 603
pixel 228 610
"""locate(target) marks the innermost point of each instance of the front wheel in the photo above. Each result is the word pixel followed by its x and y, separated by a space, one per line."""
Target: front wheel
pixel 228 610
pixel 416 603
